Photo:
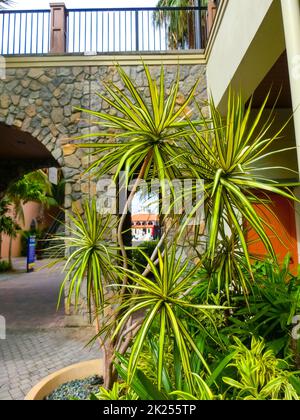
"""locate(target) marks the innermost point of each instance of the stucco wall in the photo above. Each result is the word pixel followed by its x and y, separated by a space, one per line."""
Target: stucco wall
pixel 247 41
pixel 285 140
pixel 31 211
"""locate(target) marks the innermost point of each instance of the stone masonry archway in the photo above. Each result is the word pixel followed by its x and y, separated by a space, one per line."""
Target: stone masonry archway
pixel 36 107
pixel 20 153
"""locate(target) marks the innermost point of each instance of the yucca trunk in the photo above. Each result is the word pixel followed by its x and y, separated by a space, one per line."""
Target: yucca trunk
pixel 110 375
pixel 10 251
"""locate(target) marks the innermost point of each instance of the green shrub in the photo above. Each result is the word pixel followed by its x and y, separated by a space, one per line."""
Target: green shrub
pixel 261 376
pixel 4 266
pixel 139 260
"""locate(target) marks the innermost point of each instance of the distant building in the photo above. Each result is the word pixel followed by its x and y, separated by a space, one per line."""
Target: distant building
pixel 145 227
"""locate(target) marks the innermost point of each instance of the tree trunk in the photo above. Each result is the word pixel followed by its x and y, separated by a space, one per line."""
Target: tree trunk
pixel 0 246
pixel 10 251
pixel 109 373
pixel 108 347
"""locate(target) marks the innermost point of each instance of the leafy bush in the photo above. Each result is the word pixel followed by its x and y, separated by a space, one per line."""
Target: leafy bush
pixel 274 301
pixel 119 391
pixel 252 373
pixel 139 260
pixel 4 266
pixel 261 376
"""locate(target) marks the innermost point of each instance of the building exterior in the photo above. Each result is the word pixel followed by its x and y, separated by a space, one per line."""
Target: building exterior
pixel 254 48
pixel 145 227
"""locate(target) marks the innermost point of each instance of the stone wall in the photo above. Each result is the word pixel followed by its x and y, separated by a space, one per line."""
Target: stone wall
pixel 41 101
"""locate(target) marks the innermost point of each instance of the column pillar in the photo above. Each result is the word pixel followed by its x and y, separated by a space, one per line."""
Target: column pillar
pixel 211 14
pixel 58 35
pixel 291 23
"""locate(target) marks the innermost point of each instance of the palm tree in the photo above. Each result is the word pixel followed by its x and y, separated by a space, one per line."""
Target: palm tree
pixel 4 3
pixel 34 186
pixel 6 222
pixel 181 24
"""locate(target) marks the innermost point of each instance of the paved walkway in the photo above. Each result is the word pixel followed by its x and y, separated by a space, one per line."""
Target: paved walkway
pixel 37 342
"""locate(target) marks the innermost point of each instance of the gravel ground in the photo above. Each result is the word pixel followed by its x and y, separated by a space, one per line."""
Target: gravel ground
pixel 79 390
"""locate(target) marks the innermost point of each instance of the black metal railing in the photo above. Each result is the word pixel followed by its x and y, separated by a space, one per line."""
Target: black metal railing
pixel 130 30
pixel 106 30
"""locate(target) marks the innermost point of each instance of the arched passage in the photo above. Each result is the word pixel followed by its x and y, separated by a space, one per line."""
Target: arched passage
pixel 20 152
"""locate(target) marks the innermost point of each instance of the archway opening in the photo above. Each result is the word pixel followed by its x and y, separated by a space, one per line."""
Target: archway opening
pixel 25 164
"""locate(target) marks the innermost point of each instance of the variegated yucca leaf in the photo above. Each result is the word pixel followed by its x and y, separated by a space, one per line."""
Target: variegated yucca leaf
pixel 164 296
pixel 141 129
pixel 225 155
pixel 90 257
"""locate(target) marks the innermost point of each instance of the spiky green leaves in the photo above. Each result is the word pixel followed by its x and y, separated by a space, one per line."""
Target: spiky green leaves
pixel 90 257
pixel 225 154
pixel 165 299
pixel 141 127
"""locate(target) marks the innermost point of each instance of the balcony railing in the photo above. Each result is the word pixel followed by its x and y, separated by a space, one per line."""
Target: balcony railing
pixel 24 32
pixel 102 30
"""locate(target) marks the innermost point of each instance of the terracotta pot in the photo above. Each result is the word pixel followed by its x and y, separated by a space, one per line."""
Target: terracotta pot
pixel 50 383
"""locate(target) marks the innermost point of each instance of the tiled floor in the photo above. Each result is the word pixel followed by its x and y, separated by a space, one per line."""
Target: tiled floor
pixel 37 342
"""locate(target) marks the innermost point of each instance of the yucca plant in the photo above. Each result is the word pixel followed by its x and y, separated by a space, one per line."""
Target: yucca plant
pixel 164 299
pixel 94 265
pixel 146 134
pixel 90 268
pixel 156 138
pixel 90 256
pixel 225 155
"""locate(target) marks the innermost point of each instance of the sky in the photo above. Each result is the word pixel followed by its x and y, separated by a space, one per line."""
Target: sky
pixel 44 4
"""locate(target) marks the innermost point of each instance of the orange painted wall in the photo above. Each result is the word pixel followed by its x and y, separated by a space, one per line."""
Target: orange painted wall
pixel 32 210
pixel 284 224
